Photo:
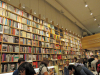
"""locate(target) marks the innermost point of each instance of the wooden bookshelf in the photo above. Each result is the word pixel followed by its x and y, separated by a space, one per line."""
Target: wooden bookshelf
pixel 35 38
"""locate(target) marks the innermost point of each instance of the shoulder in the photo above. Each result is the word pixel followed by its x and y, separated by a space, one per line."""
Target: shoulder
pixel 15 72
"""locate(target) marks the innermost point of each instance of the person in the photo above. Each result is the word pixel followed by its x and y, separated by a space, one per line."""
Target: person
pixel 43 70
pixel 66 72
pixel 75 59
pixel 26 69
pixel 20 61
pixel 90 60
pixel 93 63
pixel 79 70
pixel 85 62
pixel 80 62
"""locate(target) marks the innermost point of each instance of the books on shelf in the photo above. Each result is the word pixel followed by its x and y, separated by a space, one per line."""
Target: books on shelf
pixel 1 36
pixel 8 67
pixel 9 57
pixel 24 49
pixel 1 29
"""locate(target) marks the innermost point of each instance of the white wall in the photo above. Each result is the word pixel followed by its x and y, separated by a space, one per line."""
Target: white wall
pixel 45 9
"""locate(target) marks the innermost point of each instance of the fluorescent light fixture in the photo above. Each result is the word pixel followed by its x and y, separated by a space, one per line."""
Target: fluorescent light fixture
pixel 86 5
pixel 57 23
pixel 91 13
pixel 95 19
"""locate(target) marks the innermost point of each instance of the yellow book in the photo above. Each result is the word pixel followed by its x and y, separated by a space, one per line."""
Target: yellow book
pixel 48 25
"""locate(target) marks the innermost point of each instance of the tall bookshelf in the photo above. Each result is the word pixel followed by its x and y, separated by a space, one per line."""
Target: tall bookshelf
pixel 23 35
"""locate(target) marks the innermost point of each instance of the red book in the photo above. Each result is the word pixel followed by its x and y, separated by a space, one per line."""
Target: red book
pixel 36 64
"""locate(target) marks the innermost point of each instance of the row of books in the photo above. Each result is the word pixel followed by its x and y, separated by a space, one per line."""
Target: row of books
pixel 32 57
pixel 10 48
pixel 24 49
pixel 9 57
pixel 10 39
pixel 8 67
pixel 22 13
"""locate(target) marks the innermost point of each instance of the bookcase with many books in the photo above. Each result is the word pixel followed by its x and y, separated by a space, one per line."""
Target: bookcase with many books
pixel 23 35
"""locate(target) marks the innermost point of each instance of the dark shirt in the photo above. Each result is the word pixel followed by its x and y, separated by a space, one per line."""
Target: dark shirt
pixel 15 72
pixel 90 60
pixel 82 71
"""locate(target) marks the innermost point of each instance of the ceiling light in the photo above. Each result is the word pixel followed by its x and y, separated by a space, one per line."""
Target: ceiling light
pixel 51 21
pixel 95 19
pixel 86 5
pixel 62 27
pixel 66 29
pixel 91 14
pixel 57 23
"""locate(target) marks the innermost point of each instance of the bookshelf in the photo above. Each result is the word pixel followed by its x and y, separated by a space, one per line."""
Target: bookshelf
pixel 23 35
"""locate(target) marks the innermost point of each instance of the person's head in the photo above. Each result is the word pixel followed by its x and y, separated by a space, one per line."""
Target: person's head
pixel 20 61
pixel 96 57
pixel 45 61
pixel 67 62
pixel 26 69
pixel 71 69
pixel 75 59
pixel 92 56
pixel 85 60
pixel 80 60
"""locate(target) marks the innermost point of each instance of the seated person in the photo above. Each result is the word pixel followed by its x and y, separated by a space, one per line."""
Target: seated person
pixel 20 61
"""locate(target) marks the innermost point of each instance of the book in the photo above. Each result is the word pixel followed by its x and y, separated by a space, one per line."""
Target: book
pixel 5 38
pixel 4 48
pixel 1 37
pixel 1 29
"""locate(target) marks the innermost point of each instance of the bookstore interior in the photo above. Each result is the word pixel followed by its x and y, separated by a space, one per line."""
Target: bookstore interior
pixel 37 29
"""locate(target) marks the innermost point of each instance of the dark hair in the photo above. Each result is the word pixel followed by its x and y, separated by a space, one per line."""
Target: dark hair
pixel 70 67
pixel 80 60
pixel 92 56
pixel 75 58
pixel 96 56
pixel 45 61
pixel 20 60
pixel 29 70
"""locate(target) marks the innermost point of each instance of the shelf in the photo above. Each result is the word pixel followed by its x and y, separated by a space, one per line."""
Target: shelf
pixel 9 62
pixel 11 43
pixel 11 52
pixel 24 53
pixel 11 34
pixel 25 45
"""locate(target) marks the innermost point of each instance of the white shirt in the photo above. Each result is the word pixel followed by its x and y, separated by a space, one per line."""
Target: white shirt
pixel 44 69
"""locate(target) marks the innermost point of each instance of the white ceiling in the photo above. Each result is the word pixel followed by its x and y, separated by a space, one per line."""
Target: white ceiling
pixel 77 12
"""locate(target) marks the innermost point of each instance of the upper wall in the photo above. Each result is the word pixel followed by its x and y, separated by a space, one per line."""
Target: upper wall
pixel 47 11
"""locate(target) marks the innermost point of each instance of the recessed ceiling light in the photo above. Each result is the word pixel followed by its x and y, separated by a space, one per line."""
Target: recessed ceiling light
pixel 86 5
pixel 91 13
pixel 95 19
pixel 24 7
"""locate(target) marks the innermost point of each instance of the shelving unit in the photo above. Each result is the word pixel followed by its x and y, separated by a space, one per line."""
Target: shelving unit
pixel 33 39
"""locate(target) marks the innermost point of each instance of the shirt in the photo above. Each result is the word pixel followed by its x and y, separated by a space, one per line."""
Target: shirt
pixel 93 64
pixel 15 72
pixel 44 69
